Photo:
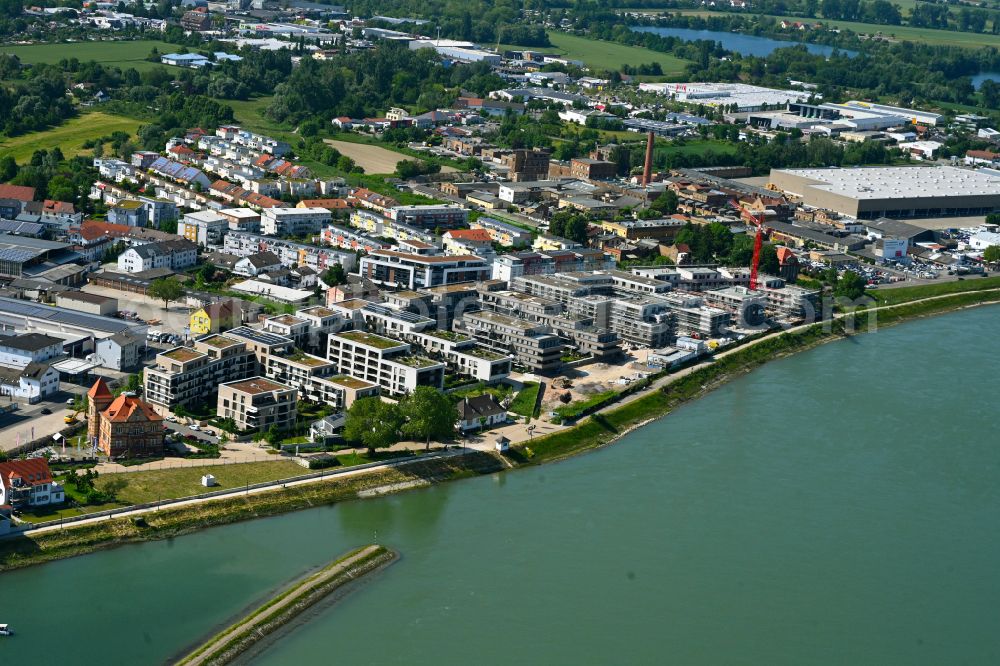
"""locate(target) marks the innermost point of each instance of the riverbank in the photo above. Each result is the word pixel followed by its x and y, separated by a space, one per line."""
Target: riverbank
pixel 608 426
pixel 263 623
pixel 598 430
pixel 18 552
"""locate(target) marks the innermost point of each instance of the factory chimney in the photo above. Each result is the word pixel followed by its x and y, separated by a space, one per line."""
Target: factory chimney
pixel 647 170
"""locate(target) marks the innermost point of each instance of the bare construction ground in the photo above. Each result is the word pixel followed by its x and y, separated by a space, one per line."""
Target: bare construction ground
pixel 373 159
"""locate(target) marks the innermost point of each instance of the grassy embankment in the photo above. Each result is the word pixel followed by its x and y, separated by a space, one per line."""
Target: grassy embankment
pixel 599 54
pixel 170 522
pixel 281 609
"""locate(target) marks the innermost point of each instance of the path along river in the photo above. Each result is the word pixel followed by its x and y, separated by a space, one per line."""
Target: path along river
pixel 839 506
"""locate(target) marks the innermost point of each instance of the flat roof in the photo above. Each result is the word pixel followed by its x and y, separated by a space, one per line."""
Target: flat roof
pixel 218 341
pixel 902 182
pixel 256 385
pixel 350 382
pixel 258 336
pixel 370 339
pixel 182 354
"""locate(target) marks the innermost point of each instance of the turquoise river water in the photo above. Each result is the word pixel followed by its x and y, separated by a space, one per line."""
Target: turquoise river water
pixel 841 506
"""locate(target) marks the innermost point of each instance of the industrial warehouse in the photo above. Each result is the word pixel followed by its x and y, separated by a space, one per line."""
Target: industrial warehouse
pixel 868 193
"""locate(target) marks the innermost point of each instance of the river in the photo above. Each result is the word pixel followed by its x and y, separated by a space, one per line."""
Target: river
pixel 838 506
pixel 748 45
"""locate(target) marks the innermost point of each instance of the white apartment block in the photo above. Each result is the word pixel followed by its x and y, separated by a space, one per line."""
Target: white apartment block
pixel 293 221
pixel 385 362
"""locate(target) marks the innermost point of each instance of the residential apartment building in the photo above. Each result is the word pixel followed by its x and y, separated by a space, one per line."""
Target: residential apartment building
pixel 293 221
pixel 388 363
pixel 503 233
pixel 258 403
pixel 350 240
pixel 175 255
pixel 204 227
pixel 291 255
pixel 533 345
pixel 414 271
pixel 185 375
pixel 445 216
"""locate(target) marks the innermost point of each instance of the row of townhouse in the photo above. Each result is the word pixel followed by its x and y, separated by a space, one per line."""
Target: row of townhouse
pixel 240 196
pixel 504 233
pixel 346 239
pixel 384 227
pixel 244 244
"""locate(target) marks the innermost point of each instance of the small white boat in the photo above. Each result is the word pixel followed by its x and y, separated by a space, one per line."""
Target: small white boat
pixel 5 630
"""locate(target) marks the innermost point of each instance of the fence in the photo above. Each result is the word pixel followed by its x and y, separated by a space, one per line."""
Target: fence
pixel 231 492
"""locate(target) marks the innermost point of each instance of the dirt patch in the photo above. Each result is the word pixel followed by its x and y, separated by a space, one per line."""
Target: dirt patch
pixel 373 159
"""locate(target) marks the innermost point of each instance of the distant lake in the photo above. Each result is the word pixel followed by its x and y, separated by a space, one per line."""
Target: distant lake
pixel 978 79
pixel 740 43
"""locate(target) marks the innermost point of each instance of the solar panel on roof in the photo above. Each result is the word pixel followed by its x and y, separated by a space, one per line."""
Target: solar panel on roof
pixel 17 254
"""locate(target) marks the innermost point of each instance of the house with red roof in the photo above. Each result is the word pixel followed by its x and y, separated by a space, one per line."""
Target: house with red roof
pixel 788 263
pixel 124 426
pixel 28 483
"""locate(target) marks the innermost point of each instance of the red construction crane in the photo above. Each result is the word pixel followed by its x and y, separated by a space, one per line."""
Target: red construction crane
pixel 757 219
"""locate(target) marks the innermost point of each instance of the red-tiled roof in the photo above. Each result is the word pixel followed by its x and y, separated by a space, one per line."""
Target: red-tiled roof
pixel 469 235
pixel 94 229
pixel 33 471
pixel 332 204
pixel 128 408
pixel 52 206
pixel 19 192
pixel 99 389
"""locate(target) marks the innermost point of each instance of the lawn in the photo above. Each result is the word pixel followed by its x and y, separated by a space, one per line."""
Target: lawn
pixel 599 54
pixel 896 295
pixel 524 402
pixel 900 32
pixel 151 485
pixel 70 136
pixel 122 54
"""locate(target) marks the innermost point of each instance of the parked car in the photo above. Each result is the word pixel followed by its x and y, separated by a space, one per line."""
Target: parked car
pixel 46 410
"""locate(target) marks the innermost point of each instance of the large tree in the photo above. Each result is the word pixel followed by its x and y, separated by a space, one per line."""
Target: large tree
pixel 166 289
pixel 373 423
pixel 429 414
pixel 991 255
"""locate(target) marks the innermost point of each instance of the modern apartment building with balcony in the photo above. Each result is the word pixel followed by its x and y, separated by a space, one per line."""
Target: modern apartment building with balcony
pixel 389 363
pixel 258 403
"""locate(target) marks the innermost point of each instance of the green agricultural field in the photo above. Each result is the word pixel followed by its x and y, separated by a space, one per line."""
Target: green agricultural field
pixel 70 136
pixel 599 54
pixel 117 54
pixel 898 32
